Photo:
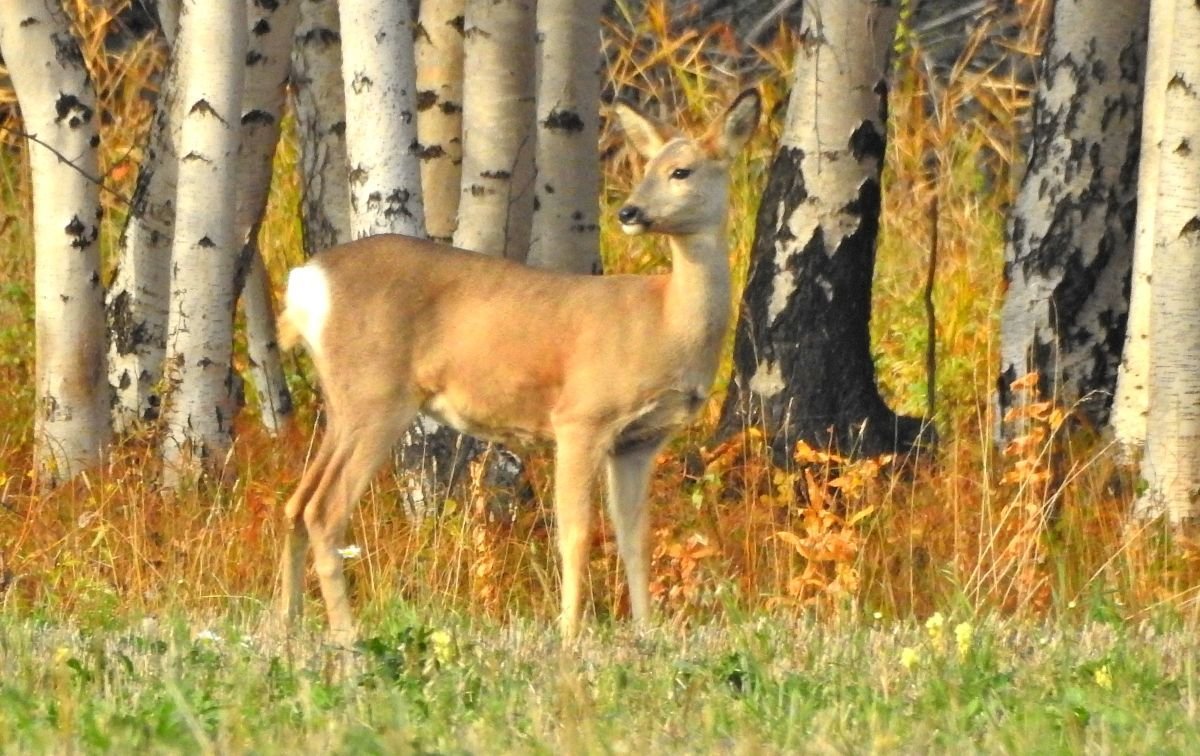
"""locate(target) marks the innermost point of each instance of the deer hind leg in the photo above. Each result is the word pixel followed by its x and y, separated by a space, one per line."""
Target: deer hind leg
pixel 295 541
pixel 628 480
pixel 575 465
pixel 358 453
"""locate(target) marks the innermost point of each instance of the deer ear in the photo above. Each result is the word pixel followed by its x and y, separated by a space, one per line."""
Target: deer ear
pixel 645 134
pixel 739 123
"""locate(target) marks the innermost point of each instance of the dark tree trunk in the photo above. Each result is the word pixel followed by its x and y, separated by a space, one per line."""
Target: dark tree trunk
pixel 802 360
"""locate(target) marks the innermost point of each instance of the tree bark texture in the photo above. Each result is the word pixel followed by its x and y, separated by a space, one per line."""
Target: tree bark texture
pixel 138 298
pixel 496 205
pixel 1070 246
pixel 439 49
pixel 379 79
pixel 201 402
pixel 319 102
pixel 803 367
pixel 566 211
pixel 1132 402
pixel 58 108
pixel 1171 466
pixel 270 29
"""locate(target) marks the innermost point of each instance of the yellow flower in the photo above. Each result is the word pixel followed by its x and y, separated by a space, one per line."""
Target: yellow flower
pixel 936 626
pixel 909 657
pixel 1103 677
pixel 443 646
pixel 963 632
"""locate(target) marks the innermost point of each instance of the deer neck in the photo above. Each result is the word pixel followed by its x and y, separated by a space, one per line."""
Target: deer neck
pixel 697 301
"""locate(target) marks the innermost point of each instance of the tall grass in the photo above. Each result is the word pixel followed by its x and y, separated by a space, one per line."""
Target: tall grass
pixel 1035 530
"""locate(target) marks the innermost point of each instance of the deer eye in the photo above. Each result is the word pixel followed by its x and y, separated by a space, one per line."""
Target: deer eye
pixel 681 173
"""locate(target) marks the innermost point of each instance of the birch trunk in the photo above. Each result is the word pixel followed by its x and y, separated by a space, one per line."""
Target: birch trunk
pixel 803 366
pixel 379 80
pixel 439 49
pixel 1132 401
pixel 201 404
pixel 1070 248
pixel 137 302
pixel 1171 466
pixel 567 198
pixel 168 19
pixel 270 29
pixel 320 106
pixel 58 108
pixel 496 205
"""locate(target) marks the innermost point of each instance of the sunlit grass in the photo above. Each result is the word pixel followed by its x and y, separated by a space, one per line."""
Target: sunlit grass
pixel 829 540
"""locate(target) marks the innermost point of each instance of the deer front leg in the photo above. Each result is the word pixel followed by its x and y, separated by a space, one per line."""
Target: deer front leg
pixel 628 480
pixel 575 465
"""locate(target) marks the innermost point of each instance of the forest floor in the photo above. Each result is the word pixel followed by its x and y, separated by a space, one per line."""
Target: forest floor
pixel 424 683
pixel 979 598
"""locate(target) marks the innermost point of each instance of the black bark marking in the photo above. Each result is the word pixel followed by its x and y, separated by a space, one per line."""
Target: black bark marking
pixel 457 24
pixel 66 51
pixel 268 5
pixel 321 37
pixel 69 108
pixel 426 99
pixel 867 141
pixel 203 107
pixel 499 175
pixel 563 120
pixel 206 243
pixel 82 235
pixel 128 333
pixel 450 108
pixel 432 152
pixel 257 118
pixel 1191 228
pixel 360 82
pixel 254 57
pixel 27 22
pixel 261 27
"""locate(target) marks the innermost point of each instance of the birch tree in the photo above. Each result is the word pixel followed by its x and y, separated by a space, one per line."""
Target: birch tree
pixel 439 51
pixel 270 29
pixel 803 367
pixel 138 298
pixel 496 205
pixel 58 109
pixel 1171 466
pixel 319 102
pixel 1132 402
pixel 565 232
pixel 1070 241
pixel 379 81
pixel 201 402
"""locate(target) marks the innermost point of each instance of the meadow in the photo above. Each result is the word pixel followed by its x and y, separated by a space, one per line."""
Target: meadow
pixel 974 598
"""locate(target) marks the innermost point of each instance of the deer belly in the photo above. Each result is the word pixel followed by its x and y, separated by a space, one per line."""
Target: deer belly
pixel 493 426
pixel 655 421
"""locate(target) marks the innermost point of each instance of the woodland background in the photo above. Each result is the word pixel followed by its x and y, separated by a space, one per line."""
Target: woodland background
pixel 970 581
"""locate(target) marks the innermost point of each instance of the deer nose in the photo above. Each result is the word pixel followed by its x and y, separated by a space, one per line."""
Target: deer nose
pixel 629 215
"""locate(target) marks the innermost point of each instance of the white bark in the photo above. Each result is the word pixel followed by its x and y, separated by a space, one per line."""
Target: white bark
pixel 439 50
pixel 138 297
pixel 379 79
pixel 201 404
pixel 1070 246
pixel 168 19
pixel 496 205
pixel 566 210
pixel 320 107
pixel 58 108
pixel 271 27
pixel 1132 401
pixel 1171 466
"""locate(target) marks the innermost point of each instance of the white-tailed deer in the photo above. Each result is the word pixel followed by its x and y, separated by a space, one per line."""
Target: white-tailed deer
pixel 606 366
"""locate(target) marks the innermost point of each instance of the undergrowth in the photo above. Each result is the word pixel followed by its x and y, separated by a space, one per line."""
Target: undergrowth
pixel 1037 530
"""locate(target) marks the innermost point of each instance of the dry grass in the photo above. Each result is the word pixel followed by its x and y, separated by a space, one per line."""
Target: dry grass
pixel 1037 529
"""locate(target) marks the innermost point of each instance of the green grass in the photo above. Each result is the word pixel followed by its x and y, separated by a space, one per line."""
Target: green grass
pixel 454 684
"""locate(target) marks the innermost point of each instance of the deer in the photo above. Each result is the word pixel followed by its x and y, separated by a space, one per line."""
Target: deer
pixel 607 367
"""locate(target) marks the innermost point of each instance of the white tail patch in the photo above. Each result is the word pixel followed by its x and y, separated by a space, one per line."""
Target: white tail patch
pixel 307 302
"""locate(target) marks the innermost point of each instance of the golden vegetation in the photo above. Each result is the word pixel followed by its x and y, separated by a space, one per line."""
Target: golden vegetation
pixel 1037 528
